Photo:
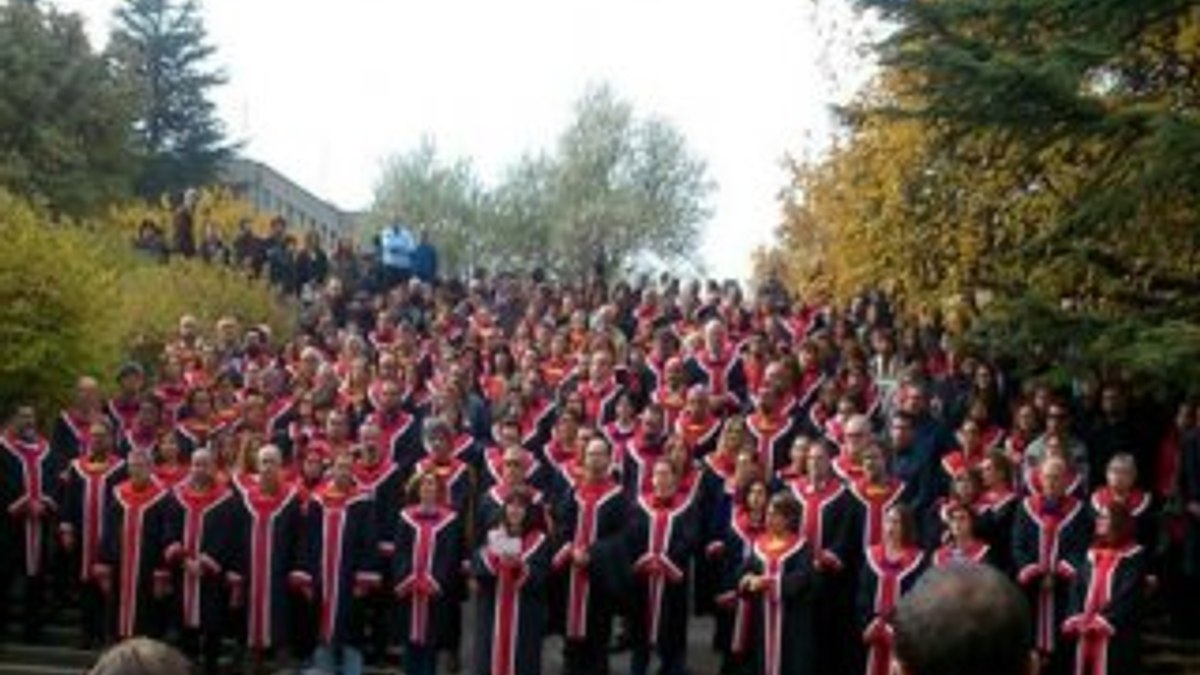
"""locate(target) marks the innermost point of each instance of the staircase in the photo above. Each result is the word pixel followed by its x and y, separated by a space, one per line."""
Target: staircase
pixel 58 654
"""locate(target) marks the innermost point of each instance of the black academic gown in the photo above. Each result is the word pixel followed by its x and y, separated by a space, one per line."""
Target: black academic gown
pixel 828 524
pixel 591 518
pixel 29 499
pixel 773 437
pixel 1104 620
pixel 998 510
pixel 132 557
pixel 200 525
pixel 722 374
pixel 86 491
pixel 1049 542
pixel 71 435
pixel 510 626
pixel 384 484
pixel 429 566
pixel 661 539
pixel 779 638
pixel 267 530
pixel 881 584
pixel 732 608
pixel 400 434
pixel 338 561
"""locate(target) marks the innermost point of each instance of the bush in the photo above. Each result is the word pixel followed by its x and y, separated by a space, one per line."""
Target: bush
pixel 76 299
pixel 56 298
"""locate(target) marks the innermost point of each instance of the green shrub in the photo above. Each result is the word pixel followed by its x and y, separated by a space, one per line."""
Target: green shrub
pixel 76 299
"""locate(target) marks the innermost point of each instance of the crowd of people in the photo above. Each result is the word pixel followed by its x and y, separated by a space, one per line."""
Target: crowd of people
pixel 605 464
pixel 291 264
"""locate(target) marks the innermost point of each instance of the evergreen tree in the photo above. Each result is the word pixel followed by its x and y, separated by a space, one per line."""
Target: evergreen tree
pixel 161 48
pixel 1043 154
pixel 63 121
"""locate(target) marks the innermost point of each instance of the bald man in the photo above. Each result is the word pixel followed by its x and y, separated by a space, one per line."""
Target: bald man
pixel 266 528
pixel 1050 539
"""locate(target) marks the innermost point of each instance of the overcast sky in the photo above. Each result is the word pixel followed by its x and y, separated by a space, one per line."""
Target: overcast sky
pixel 324 91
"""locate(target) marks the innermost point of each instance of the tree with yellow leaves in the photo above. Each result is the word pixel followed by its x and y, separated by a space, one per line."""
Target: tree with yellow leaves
pixel 1042 153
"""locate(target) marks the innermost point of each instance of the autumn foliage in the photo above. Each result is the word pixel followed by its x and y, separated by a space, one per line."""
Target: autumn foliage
pixel 1036 161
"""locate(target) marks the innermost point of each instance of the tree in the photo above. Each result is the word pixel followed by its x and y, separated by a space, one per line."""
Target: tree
pixel 615 189
pixel 63 121
pixel 625 187
pixel 161 49
pixel 444 198
pixel 1041 153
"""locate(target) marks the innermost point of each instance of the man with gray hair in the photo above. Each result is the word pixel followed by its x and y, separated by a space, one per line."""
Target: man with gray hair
pixel 199 552
pixel 265 531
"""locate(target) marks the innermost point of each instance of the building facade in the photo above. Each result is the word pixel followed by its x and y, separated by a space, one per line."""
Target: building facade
pixel 274 193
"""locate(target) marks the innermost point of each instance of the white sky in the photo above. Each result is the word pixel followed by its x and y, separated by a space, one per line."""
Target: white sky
pixel 324 91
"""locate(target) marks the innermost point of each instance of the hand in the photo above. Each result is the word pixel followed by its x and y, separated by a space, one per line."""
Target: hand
pixel 1048 582
pixel 1193 508
pixel 68 541
pixel 581 557
pixel 192 567
pixel 237 597
pixel 473 587
pixel 36 509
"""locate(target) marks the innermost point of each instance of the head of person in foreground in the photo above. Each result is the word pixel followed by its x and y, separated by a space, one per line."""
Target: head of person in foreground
pixel 964 618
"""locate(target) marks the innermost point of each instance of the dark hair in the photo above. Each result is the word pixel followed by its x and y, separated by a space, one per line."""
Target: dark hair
pixel 964 618
pixel 908 523
pixel 141 656
pixel 788 507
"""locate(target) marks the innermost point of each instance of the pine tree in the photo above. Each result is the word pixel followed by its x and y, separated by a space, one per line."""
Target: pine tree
pixel 161 48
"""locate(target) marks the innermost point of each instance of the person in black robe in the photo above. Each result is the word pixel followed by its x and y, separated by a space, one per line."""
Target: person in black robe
pixel 872 495
pixel 1120 486
pixel 698 424
pixel 132 569
pixel 87 488
pixel 378 475
pixel 645 448
pixel 338 564
pixel 509 572
pixel 600 390
pixel 772 429
pixel 889 570
pixel 400 431
pixel 962 546
pixel 199 523
pixel 29 498
pixel 1106 599
pixel 828 524
pixel 745 521
pixel 71 430
pixel 998 508
pixel 1050 539
pixel 662 536
pixel 266 532
pixel 718 365
pixel 591 519
pixel 429 535
pixel 516 462
pixel 778 580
